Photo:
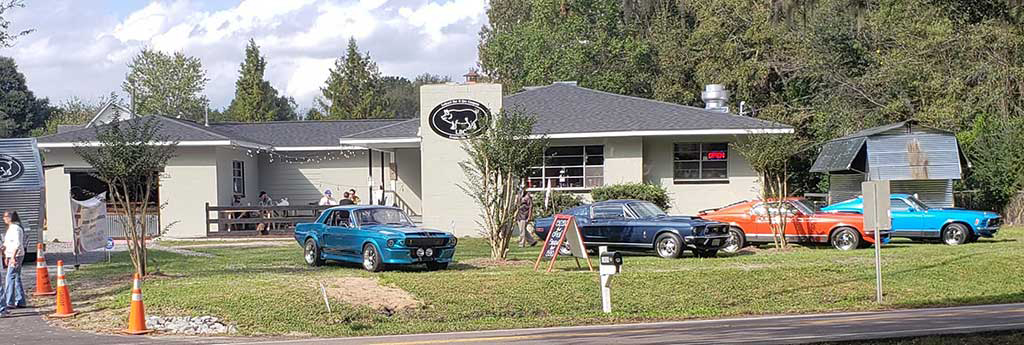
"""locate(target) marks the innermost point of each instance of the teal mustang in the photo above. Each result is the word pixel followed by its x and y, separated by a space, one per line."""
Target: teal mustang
pixel 375 236
pixel 912 219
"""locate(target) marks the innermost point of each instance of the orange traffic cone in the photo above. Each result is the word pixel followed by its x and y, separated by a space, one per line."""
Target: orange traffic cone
pixel 43 287
pixel 63 296
pixel 137 316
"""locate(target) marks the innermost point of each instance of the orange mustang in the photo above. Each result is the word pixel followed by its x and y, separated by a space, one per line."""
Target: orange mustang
pixel 804 223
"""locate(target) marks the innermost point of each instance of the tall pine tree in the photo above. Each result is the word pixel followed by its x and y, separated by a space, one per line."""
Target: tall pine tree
pixel 252 102
pixel 353 90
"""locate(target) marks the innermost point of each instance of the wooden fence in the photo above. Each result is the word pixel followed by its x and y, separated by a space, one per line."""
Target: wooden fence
pixel 245 220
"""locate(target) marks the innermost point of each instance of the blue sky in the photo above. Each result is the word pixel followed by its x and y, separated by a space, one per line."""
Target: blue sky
pixel 81 48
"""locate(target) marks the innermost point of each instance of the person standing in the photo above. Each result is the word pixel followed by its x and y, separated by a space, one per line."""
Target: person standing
pixel 523 220
pixel 352 196
pixel 14 252
pixel 346 199
pixel 328 200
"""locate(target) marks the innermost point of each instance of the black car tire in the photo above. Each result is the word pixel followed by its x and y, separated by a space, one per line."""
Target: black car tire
pixel 311 253
pixel 845 239
pixel 371 259
pixel 705 253
pixel 737 240
pixel 668 245
pixel 955 234
pixel 434 266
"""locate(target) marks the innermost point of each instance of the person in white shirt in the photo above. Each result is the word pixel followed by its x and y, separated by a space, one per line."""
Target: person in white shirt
pixel 14 252
pixel 328 200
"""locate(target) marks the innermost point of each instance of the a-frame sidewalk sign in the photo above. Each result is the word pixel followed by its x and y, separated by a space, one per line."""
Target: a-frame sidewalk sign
pixel 563 231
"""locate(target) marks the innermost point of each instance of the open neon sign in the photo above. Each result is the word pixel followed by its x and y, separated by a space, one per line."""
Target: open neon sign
pixel 716 155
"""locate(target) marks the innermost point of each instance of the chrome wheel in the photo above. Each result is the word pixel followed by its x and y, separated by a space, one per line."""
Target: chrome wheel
pixel 954 234
pixel 668 246
pixel 370 258
pixel 735 241
pixel 310 252
pixel 845 239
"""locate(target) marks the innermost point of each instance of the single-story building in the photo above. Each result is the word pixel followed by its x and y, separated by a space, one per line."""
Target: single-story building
pixel 596 138
pixel 916 159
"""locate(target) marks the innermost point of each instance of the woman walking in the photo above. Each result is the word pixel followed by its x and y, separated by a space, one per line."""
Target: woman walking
pixel 14 251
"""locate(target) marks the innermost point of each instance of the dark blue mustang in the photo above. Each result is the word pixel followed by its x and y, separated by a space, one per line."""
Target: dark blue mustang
pixel 635 224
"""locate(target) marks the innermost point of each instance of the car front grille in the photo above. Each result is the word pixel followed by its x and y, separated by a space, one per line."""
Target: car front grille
pixel 425 242
pixel 995 222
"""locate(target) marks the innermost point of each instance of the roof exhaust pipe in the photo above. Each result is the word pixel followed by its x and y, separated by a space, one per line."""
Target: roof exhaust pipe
pixel 715 98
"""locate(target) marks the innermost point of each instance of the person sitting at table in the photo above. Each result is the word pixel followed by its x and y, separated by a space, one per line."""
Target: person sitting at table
pixel 345 200
pixel 327 200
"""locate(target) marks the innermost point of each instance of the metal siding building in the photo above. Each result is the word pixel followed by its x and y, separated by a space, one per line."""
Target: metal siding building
pixel 917 159
pixel 23 193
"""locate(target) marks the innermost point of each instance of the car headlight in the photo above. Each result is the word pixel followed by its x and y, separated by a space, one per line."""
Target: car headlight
pixel 391 243
pixel 455 240
pixel 428 252
pixel 420 252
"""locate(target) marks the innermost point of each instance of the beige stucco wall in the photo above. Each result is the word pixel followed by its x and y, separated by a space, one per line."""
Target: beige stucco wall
pixel 687 199
pixel 444 203
pixel 186 185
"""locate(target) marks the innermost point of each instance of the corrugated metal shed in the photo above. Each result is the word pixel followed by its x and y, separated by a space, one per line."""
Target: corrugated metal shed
pixel 844 187
pixel 934 193
pixel 21 186
pixel 839 155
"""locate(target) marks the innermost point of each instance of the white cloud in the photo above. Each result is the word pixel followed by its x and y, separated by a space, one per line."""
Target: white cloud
pixel 80 49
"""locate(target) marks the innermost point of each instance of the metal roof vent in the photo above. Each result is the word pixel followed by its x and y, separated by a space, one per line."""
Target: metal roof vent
pixel 715 97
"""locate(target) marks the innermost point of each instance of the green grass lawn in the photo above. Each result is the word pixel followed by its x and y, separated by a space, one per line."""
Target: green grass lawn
pixel 269 290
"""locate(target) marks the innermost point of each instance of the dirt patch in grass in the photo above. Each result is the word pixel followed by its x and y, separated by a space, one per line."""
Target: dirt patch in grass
pixel 368 292
pixel 488 262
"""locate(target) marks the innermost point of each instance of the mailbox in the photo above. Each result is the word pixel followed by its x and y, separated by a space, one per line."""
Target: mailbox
pixel 611 263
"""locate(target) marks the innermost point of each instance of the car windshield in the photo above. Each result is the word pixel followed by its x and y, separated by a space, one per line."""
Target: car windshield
pixel 914 201
pixel 389 216
pixel 806 206
pixel 646 210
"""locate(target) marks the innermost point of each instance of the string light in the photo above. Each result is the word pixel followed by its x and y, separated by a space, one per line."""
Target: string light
pixel 277 156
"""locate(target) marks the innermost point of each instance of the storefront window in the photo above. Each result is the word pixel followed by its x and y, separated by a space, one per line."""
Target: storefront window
pixel 701 162
pixel 569 167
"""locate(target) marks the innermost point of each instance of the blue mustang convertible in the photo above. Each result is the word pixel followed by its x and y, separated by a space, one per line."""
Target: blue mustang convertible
pixel 913 219
pixel 635 224
pixel 375 236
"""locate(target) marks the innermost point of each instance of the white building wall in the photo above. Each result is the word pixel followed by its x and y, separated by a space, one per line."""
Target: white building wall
pixel 688 198
pixel 186 185
pixel 409 187
pixel 251 173
pixel 58 205
pixel 444 203
pixel 304 182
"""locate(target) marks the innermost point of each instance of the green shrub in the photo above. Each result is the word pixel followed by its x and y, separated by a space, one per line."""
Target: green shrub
pixel 560 201
pixel 656 194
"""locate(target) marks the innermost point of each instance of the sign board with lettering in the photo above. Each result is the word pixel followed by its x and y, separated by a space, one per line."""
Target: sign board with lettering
pixel 564 232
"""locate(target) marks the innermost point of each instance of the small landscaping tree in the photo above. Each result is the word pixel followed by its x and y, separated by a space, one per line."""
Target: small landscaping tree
pixel 769 156
pixel 499 159
pixel 656 194
pixel 129 158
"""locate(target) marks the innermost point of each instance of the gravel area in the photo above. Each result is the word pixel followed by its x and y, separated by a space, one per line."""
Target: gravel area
pixel 204 325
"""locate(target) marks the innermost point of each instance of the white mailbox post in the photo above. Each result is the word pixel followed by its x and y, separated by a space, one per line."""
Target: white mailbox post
pixel 611 264
pixel 877 219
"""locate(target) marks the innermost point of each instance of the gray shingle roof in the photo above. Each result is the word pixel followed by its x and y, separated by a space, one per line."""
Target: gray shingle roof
pixel 302 133
pixel 566 108
pixel 171 128
pixel 404 129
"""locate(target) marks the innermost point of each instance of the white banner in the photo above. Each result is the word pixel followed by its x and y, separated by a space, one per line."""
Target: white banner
pixel 90 221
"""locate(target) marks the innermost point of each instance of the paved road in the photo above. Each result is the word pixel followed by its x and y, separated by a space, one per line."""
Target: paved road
pixel 762 330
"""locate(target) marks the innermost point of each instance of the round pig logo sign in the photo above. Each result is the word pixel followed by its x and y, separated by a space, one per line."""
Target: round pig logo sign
pixel 10 168
pixel 459 118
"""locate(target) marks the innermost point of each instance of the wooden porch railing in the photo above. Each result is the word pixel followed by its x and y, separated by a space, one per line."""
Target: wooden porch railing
pixel 244 220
